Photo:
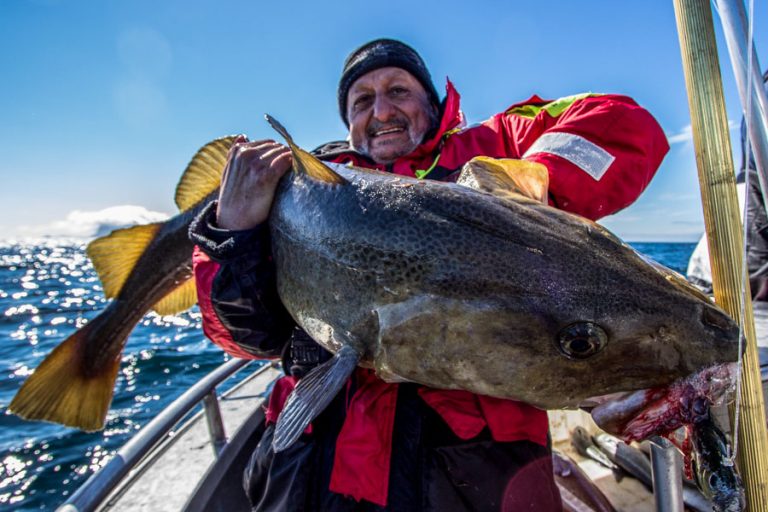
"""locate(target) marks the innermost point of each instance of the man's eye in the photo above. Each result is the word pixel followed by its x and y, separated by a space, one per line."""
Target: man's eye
pixel 361 101
pixel 398 91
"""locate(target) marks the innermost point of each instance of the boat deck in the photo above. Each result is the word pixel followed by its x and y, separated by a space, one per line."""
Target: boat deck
pixel 167 478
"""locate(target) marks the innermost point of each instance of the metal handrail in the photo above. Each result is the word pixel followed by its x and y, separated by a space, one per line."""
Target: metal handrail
pixel 103 482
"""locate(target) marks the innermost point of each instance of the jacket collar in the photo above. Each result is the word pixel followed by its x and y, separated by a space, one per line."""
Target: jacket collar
pixel 452 118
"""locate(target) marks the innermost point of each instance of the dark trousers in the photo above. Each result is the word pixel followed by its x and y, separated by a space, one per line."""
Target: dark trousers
pixel 431 469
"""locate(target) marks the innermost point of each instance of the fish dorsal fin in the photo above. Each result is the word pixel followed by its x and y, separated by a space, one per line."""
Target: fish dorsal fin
pixel 304 162
pixel 203 173
pixel 115 255
pixel 506 177
pixel 180 299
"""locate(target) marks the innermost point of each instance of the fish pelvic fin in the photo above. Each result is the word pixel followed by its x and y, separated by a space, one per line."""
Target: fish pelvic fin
pixel 312 395
pixel 304 162
pixel 506 177
pixel 180 299
pixel 203 173
pixel 62 391
pixel 115 255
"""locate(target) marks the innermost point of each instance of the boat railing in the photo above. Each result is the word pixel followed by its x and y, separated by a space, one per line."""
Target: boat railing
pixel 99 486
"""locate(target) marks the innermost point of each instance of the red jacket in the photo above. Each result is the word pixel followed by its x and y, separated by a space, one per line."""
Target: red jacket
pixel 601 152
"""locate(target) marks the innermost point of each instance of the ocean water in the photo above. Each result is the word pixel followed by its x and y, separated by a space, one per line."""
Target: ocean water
pixel 47 291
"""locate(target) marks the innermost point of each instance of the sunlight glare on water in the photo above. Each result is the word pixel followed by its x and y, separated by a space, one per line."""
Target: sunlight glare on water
pixel 47 291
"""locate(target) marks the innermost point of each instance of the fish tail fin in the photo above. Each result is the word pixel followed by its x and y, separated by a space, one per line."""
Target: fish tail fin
pixel 62 390
pixel 311 395
pixel 304 162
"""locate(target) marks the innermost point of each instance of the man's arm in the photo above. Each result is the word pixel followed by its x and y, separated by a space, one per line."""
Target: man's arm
pixel 233 268
pixel 601 150
pixel 236 289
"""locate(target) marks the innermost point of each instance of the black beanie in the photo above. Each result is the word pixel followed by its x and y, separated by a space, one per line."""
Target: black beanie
pixel 383 53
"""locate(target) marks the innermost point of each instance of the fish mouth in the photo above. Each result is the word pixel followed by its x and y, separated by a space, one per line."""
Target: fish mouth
pixel 638 415
pixel 723 328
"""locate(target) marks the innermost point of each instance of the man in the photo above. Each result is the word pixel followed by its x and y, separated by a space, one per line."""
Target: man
pixel 406 447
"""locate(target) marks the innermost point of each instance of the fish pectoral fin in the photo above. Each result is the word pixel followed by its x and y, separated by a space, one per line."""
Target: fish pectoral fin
pixel 115 255
pixel 506 177
pixel 311 395
pixel 304 162
pixel 203 173
pixel 62 391
pixel 180 299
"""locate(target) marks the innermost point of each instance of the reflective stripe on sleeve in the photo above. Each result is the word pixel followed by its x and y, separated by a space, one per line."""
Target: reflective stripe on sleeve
pixel 585 155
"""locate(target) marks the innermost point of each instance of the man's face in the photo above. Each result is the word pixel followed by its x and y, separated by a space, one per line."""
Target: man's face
pixel 389 114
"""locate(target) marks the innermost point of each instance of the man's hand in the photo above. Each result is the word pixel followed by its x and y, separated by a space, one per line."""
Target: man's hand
pixel 249 182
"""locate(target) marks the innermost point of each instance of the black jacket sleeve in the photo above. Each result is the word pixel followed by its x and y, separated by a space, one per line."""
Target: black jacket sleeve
pixel 243 293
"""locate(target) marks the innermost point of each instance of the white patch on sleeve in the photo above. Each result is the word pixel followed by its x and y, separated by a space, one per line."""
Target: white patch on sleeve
pixel 585 155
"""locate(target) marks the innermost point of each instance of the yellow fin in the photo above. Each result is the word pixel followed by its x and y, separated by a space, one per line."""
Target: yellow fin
pixel 115 255
pixel 180 299
pixel 59 390
pixel 304 162
pixel 203 174
pixel 506 177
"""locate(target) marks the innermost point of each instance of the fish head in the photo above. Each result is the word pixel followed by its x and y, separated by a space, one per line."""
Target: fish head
pixel 553 325
pixel 548 362
pixel 640 326
pixel 714 470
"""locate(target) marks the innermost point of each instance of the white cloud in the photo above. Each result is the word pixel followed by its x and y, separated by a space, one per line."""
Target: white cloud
pixel 92 224
pixel 686 134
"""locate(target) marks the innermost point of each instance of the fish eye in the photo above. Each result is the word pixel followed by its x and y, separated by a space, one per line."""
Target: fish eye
pixel 581 340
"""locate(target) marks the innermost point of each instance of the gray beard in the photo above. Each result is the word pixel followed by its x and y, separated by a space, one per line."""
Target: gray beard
pixel 433 126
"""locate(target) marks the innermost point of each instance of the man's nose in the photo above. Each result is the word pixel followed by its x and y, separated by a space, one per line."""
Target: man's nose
pixel 383 109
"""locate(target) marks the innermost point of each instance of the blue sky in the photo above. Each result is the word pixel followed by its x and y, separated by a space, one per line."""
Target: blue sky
pixel 103 103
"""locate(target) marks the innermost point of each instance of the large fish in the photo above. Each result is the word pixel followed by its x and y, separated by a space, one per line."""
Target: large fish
pixel 141 268
pixel 454 286
pixel 474 286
